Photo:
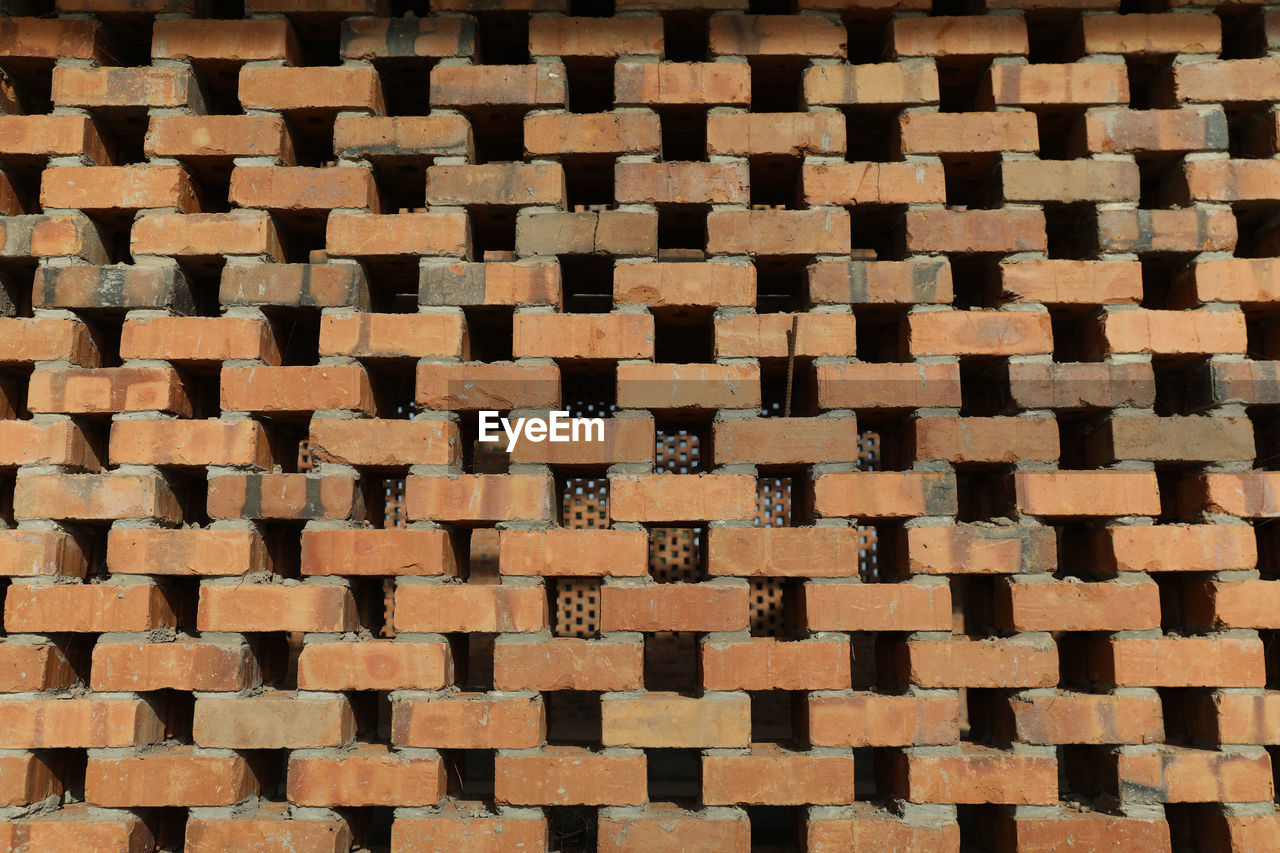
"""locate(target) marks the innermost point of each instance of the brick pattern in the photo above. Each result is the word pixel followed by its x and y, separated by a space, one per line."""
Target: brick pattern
pixel 936 348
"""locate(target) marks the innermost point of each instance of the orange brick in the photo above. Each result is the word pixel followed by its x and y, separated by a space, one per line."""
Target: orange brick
pixel 765 335
pixel 276 607
pixel 199 339
pixel 681 183
pixel 681 497
pixel 463 607
pixel 311 90
pixel 684 83
pixel 885 494
pixel 663 387
pixel 871 719
pixel 977 774
pixel 1028 661
pixel 777 776
pixel 196 139
pixel 1073 282
pixel 479 498
pixel 94 497
pixel 283 496
pixel 385 443
pixel 671 721
pixel 888 83
pixel 567 663
pixel 733 34
pixel 570 775
pixel 1087 493
pixel 1085 718
pixel 375 665
pixel 766 663
pixel 778 232
pixel 783 551
pixel 583 336
pixel 185 552
pixel 206 235
pixel 187 664
pixel 630 132
pixel 713 606
pixel 369 775
pixel 1032 86
pixel 985 439
pixel 284 390
pixel 910 606
pixel 496 184
pixel 176 776
pixel 91 722
pixel 1177 662
pixel 469 721
pixel 967 133
pixel 793 134
pixel 273 720
pixel 305 189
pixel 959 36
pixel 573 553
pixel 1068 606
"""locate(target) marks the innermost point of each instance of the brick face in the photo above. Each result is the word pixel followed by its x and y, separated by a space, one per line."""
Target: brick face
pixel 935 359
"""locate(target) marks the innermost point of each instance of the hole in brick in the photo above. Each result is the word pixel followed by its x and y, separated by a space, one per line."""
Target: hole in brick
pixel 473 772
pixel 773 389
pixel 774 602
pixel 168 826
pixel 584 502
pixel 590 85
pixel 572 829
pixel 878 334
pixel 968 182
pixel 775 181
pixel 1251 133
pixel 682 226
pixel 974 595
pixel 676 554
pixel 482 555
pixel 1142 72
pixel 406 86
pixel 977 826
pixel 587 283
pixel 590 392
pixel 575 606
pixel 589 182
pixel 299 338
pixel 870 134
pixel 865 35
pixel 476 652
pixel 773 715
pixel 498 135
pixel 684 133
pixel 1075 440
pixel 671 662
pixel 782 284
pixel 1181 389
pixel 503 37
pixel 958 82
pixel 1071 339
pixel 573 717
pixel 491 331
pixel 776 84
pixel 984 388
pixel 1153 172
pixel 372 606
pixel 312 139
pixel 770 7
pixel 775 827
pixel 673 774
pixel 1070 230
pixel 685 36
pixel 676 342
pixel 983 494
pixel 493 229
pixel 878 552
pixel 1049 34
pixel 679 447
pixel 976 281
pixel 866 761
pixel 371 826
pixel 877 231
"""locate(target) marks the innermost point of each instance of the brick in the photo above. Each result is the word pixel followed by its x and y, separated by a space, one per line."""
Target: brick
pixel 967 133
pixel 91 722
pixel 54 443
pixel 1123 130
pixel 1227 81
pixel 199 339
pixel 777 776
pixel 606 37
pixel 979 549
pixel 1158 34
pixel 94 497
pixel 1032 86
pixel 108 287
pixel 672 721
pixel 273 720
pixel 267 832
pixel 74 826
pixel 583 336
pixel 479 498
pixel 230 42
pixel 1246 494
pixel 205 235
pixel 27 779
pixel 300 188
pixel 208 665
pixel 327 90
pixel 616 232
pixel 359 235
pixel 469 721
pixel 767 663
pixel 1144 231
pixel 778 232
pixel 964 440
pixel 1068 181
pixel 887 386
pixel 573 553
pixel 766 35
pixel 601 133
pixel 28 340
pixel 1176 438
pixel 790 134
pixel 1058 282
pixel 681 497
pixel 1030 661
pixel 385 443
pixel 1081 385
pixel 375 665
pixel 1245 280
pixel 783 441
pixel 468 825
pixel 887 83
pixel 663 387
pixel 185 552
pixel 884 494
pixel 681 83
pixel 1181 774
pixel 959 36
pixel 713 606
pixel 125 88
pixel 569 775
pixel 873 183
pixel 52 235
pixel 1224 181
pixel 42 136
pixel 1085 718
pixel 995 231
pixel 283 496
pixel 1176 548
pixel 783 551
pixel 33 667
pixel 197 139
pixel 496 184
pixel 1177 662
pixel 1239 718
pixel 663 826
pixel 51 39
pixel 460 607
pixel 681 183
pixel 103 391
pixel 370 38
pixel 1088 831
pixel 530 86
pixel 176 776
pixel 566 663
pixel 285 390
pixel 532 282
pixel 401 139
pixel 909 606
pixel 469 387
pixel 765 335
pixel 369 775
pixel 1174 332
pixel 871 719
pixel 865 827
pixel 1239 604
pixel 1073 606
pixel 977 774
pixel 1087 493
pixel 276 607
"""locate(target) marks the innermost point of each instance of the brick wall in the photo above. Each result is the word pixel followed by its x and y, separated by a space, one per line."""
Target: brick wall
pixel 936 349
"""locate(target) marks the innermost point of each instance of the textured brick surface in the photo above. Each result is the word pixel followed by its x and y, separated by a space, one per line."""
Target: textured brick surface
pixel 936 350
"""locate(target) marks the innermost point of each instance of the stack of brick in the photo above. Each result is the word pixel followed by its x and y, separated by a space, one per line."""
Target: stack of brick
pixel 941 400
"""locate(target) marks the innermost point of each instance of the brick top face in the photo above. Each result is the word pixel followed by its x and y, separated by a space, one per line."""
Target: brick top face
pixel 541 425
